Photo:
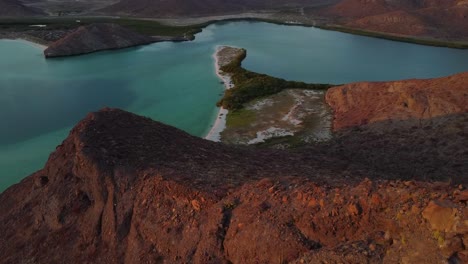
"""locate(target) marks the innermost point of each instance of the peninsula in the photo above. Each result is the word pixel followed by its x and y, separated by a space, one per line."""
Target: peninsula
pixel 96 37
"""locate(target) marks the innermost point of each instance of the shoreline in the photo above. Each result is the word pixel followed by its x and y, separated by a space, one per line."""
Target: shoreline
pixel 27 41
pixel 32 43
pixel 267 17
pixel 219 124
pixel 431 42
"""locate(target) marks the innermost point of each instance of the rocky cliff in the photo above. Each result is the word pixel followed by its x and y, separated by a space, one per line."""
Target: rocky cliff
pixel 370 102
pixel 96 37
pixel 125 189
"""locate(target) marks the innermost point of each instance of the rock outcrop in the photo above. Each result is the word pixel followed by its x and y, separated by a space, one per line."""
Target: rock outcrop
pixel 370 102
pixel 125 189
pixel 96 37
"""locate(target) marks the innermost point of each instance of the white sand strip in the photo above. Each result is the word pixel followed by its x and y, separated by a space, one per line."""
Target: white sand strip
pixel 34 44
pixel 220 123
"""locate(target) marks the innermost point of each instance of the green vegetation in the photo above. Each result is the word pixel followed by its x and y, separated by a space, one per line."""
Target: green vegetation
pixel 147 27
pixel 421 41
pixel 250 85
pixel 240 118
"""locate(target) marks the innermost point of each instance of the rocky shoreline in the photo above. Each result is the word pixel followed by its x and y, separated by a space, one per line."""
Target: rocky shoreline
pixel 95 37
pixel 87 39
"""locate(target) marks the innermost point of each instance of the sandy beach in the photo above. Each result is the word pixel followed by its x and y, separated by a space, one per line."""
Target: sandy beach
pixel 37 45
pixel 220 122
pixel 26 41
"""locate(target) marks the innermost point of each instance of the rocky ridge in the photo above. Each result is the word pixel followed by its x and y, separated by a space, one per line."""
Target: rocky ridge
pixel 369 102
pixel 444 20
pixel 125 189
pixel 96 37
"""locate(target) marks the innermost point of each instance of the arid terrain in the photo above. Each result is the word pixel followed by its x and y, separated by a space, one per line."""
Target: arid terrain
pixel 386 184
pixel 445 19
pixel 125 189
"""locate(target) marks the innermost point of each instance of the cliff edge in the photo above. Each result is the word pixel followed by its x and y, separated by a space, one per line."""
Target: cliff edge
pixel 125 189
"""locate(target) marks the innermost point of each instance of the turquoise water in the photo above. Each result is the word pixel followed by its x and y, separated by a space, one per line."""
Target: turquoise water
pixel 40 100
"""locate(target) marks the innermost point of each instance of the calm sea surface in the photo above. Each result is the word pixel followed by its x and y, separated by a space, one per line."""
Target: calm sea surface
pixel 40 100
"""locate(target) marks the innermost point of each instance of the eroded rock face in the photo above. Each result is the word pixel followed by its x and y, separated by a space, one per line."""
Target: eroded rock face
pixel 125 189
pixel 96 37
pixel 370 102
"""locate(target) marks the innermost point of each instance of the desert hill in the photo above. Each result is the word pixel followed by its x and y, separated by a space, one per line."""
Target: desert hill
pixel 446 20
pixel 96 37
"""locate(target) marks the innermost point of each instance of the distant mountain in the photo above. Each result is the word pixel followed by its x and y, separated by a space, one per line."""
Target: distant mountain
pixel 179 8
pixel 443 19
pixel 16 8
pixel 363 8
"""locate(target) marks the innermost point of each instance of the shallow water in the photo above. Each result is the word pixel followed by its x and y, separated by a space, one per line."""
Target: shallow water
pixel 40 100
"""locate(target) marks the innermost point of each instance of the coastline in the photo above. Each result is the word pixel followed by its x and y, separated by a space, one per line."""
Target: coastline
pixel 199 23
pixel 32 43
pixel 432 42
pixel 28 41
pixel 220 122
pixel 269 17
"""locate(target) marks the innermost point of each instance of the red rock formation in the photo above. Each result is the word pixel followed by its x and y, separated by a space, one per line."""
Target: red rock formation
pixel 395 22
pixel 442 19
pixel 125 189
pixel 370 102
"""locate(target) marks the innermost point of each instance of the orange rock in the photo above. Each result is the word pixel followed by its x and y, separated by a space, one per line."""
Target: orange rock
pixel 369 102
pixel 375 200
pixel 441 215
pixel 196 205
pixel 354 209
pixel 312 202
pixel 462 196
